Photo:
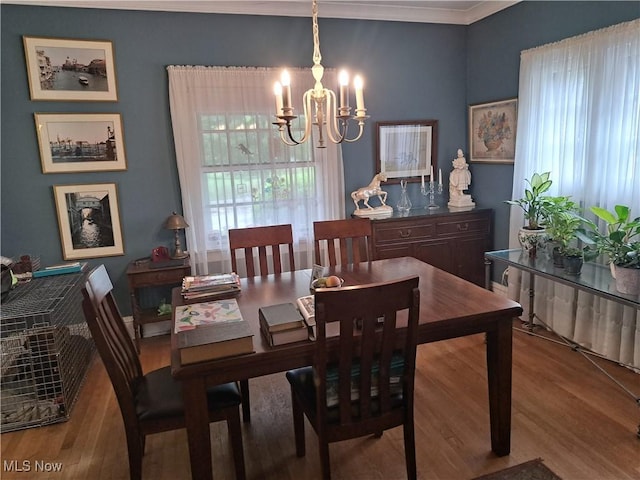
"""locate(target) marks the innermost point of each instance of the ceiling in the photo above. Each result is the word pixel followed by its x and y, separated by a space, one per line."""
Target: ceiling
pixel 458 12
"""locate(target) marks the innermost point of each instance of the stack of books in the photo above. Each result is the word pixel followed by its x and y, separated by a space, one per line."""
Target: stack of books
pixel 211 330
pixel 282 323
pixel 210 286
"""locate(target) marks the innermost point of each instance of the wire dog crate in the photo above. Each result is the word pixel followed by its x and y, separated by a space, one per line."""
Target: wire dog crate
pixel 45 348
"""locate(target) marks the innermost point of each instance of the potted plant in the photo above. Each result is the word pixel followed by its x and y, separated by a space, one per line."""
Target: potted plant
pixel 561 221
pixel 533 234
pixel 620 241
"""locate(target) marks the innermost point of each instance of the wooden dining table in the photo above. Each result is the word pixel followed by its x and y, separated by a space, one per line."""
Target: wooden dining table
pixel 450 307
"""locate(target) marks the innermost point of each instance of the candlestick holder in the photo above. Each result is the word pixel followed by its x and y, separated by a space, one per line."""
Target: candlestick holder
pixel 431 192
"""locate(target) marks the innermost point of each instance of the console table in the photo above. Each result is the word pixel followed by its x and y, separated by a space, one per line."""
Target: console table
pixel 595 279
pixel 451 240
pixel 144 273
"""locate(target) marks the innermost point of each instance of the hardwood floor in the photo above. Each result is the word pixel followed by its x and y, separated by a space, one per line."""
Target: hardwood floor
pixel 564 410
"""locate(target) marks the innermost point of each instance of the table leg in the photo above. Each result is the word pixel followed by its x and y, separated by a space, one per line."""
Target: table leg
pixel 532 298
pixel 487 274
pixel 499 364
pixel 196 416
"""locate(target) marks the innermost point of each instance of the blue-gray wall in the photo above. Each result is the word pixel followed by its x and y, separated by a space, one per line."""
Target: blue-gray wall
pixel 412 71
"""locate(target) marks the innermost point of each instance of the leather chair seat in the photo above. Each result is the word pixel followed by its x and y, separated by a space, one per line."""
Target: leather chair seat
pixel 158 396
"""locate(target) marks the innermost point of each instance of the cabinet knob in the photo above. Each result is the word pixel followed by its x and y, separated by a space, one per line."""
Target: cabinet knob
pixel 405 233
pixel 463 227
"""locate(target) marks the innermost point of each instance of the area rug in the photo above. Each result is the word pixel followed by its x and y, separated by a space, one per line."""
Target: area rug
pixel 531 470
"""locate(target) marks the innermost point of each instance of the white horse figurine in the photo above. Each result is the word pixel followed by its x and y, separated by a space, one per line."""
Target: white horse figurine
pixel 373 189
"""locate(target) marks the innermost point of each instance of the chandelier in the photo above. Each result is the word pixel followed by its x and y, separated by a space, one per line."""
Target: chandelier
pixel 328 113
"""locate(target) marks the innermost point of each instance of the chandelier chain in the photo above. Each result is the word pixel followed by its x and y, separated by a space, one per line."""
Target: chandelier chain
pixel 317 57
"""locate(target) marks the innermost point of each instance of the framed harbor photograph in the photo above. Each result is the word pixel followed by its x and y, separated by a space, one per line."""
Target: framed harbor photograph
pixel 492 131
pixel 407 150
pixel 89 220
pixel 67 69
pixel 80 142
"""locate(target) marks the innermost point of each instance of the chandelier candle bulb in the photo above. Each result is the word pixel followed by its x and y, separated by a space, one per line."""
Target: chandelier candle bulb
pixel 358 84
pixel 344 89
pixel 431 179
pixel 286 89
pixel 277 90
pixel 440 176
pixel 422 185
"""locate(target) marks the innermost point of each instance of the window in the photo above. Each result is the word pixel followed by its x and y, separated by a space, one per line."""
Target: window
pixel 235 172
pixel 578 118
pixel 249 179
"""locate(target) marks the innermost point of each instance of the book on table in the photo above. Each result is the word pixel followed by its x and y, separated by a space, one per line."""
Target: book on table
pixel 60 269
pixel 282 323
pixel 211 330
pixel 219 285
pixel 307 307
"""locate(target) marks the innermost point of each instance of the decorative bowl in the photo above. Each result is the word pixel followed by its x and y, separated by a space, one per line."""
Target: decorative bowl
pixel 314 285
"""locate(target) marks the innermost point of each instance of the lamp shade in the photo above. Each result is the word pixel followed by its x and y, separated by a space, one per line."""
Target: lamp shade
pixel 175 222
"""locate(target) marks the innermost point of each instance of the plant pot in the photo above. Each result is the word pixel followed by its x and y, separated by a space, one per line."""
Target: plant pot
pixel 558 258
pixel 628 280
pixel 532 240
pixel 573 264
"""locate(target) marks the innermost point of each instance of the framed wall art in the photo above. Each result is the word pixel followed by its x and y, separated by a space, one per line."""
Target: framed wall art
pixel 492 131
pixel 407 150
pixel 89 220
pixel 67 69
pixel 80 142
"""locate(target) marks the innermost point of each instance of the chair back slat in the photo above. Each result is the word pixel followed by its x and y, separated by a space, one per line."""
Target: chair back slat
pixel 342 241
pixel 376 360
pixel 263 240
pixel 113 342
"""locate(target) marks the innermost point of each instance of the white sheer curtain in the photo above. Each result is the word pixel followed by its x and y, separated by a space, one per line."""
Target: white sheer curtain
pixel 579 118
pixel 242 175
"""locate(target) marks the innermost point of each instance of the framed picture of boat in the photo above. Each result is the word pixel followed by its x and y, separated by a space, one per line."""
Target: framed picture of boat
pixel 80 142
pixel 89 220
pixel 68 70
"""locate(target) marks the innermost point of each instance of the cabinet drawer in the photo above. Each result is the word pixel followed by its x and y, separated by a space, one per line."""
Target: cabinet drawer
pixel 157 278
pixel 462 226
pixel 405 232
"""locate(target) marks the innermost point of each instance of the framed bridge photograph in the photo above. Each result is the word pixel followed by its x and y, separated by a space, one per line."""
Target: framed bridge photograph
pixel 80 142
pixel 89 220
pixel 407 150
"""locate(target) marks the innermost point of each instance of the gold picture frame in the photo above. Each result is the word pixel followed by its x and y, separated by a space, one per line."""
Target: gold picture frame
pixel 89 220
pixel 80 142
pixel 64 69
pixel 492 131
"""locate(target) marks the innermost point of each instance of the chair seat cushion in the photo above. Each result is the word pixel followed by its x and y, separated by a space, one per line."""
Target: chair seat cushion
pixel 158 395
pixel 302 381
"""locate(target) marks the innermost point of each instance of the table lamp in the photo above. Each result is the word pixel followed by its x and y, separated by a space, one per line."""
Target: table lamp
pixel 176 222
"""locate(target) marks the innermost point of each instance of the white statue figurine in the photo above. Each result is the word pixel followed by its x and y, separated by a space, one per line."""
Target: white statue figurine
pixel 459 181
pixel 372 190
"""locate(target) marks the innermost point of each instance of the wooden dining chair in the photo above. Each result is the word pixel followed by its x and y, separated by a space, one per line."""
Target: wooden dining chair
pixel 367 387
pixel 149 403
pixel 342 241
pixel 263 241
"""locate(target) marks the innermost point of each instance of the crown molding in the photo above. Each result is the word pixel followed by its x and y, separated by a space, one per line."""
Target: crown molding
pixel 455 12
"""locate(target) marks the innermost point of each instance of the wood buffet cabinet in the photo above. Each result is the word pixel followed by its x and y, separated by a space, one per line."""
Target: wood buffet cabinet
pixel 454 241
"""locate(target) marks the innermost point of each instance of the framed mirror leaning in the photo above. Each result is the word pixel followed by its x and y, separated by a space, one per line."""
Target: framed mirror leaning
pixel 407 150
